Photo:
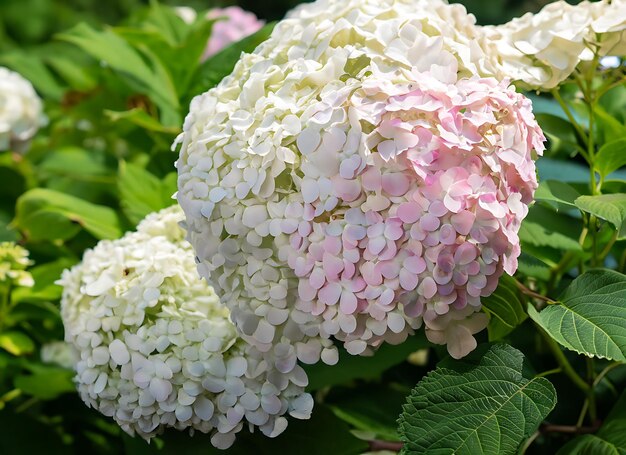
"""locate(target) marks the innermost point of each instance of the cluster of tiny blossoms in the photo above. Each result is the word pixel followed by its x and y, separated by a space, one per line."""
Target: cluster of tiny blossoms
pixel 156 348
pixel 232 24
pixel 21 111
pixel 352 180
pixel 542 50
pixel 13 263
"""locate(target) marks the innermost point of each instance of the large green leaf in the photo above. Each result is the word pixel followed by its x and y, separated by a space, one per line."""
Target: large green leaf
pixel 505 308
pixel 483 405
pixel 352 367
pixel 143 67
pixel 609 207
pixel 611 157
pixel 590 316
pixel 544 227
pixel 609 440
pixel 142 193
pixel 43 214
pixel 556 192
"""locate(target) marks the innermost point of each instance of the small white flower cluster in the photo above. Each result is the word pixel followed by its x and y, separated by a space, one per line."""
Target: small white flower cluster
pixel 542 50
pixel 13 264
pixel 290 192
pixel 21 111
pixel 59 353
pixel 157 348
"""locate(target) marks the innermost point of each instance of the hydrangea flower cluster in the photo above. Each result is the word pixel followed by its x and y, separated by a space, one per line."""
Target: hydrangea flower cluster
pixel 21 111
pixel 542 50
pixel 156 348
pixel 233 24
pixel 13 263
pixel 351 180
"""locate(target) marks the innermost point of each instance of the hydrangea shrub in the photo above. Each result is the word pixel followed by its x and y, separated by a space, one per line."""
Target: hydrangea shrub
pixel 156 349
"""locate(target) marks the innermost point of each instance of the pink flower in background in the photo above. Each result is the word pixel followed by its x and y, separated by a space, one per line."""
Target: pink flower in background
pixel 233 24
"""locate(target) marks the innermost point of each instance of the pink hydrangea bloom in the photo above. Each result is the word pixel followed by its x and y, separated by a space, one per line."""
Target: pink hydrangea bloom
pixel 427 221
pixel 233 24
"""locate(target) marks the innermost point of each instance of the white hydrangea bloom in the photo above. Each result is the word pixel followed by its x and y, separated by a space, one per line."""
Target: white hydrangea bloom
pixel 158 350
pixel 59 353
pixel 21 111
pixel 258 160
pixel 542 50
pixel 609 25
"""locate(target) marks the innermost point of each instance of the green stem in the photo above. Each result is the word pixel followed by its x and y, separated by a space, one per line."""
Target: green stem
pixel 571 118
pixel 583 413
pixel 567 368
pixel 533 294
pixel 528 443
pixel 607 249
pixel 591 396
pixel 549 372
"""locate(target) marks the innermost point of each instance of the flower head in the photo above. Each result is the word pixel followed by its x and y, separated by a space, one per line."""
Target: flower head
pixel 352 181
pixel 158 350
pixel 13 263
pixel 542 50
pixel 21 111
pixel 233 24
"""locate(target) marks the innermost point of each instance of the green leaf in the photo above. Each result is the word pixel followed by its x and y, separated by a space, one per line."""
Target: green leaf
pixel 609 207
pixel 16 343
pixel 609 128
pixel 108 47
pixel 47 384
pixel 142 119
pixel 560 131
pixel 609 440
pixel 481 405
pixel 533 267
pixel 214 69
pixel 74 162
pixel 352 367
pixel 372 409
pixel 43 214
pixel 589 318
pixel 505 308
pixel 45 277
pixel 141 192
pixel 556 192
pixel 611 157
pixel 544 227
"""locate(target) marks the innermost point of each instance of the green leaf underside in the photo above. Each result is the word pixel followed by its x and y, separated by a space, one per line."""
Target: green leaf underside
pixel 609 440
pixel 609 207
pixel 591 316
pixel 505 308
pixel 488 408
